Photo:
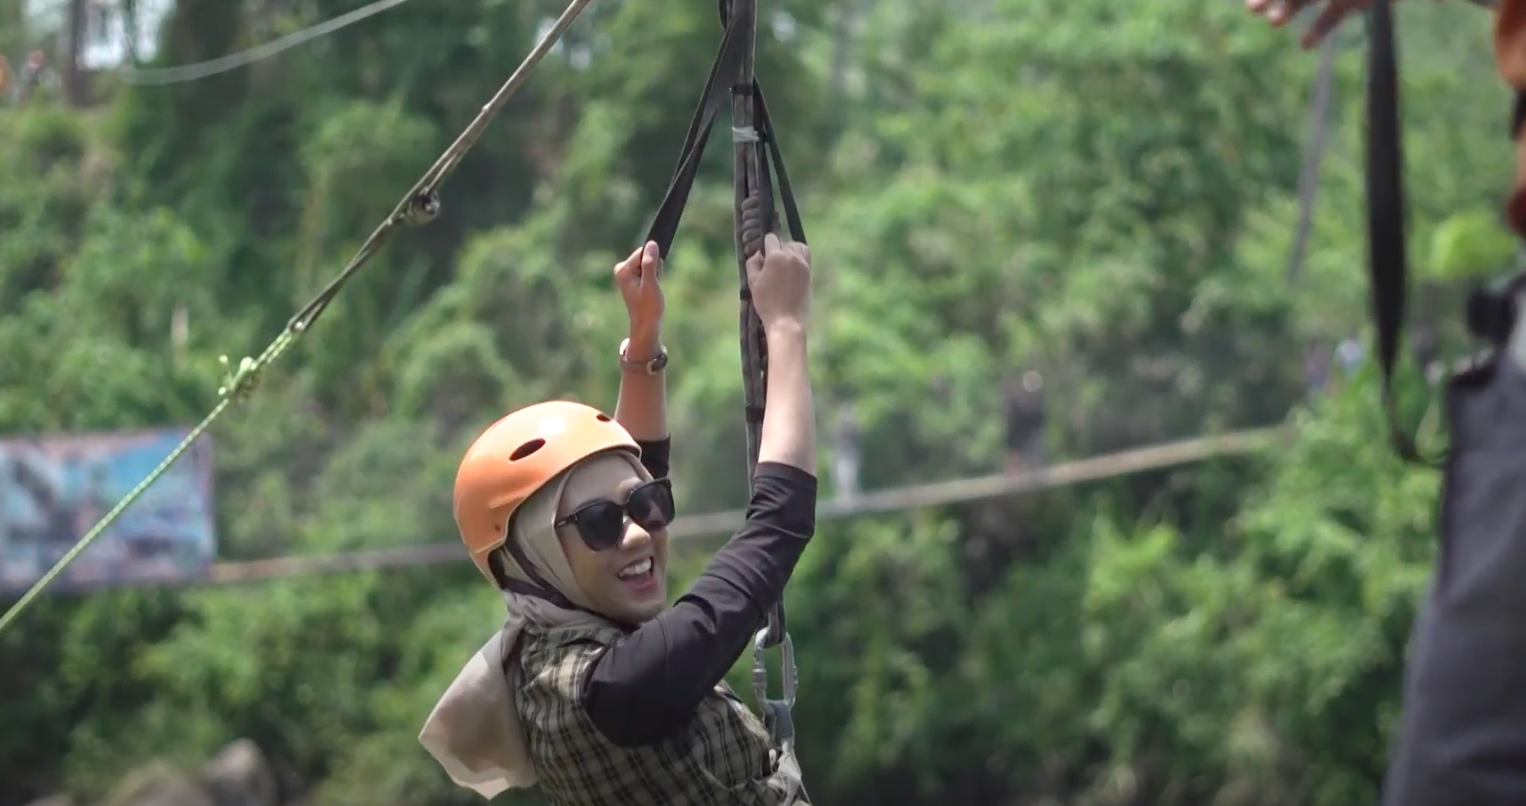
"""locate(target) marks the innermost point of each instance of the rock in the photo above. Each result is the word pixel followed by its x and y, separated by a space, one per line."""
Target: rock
pixel 53 800
pixel 158 784
pixel 240 775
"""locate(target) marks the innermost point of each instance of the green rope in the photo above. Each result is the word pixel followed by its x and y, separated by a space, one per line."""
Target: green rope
pixel 238 384
pixel 420 206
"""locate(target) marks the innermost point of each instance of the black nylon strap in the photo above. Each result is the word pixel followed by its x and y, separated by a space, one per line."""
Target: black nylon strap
pixel 538 586
pixel 664 226
pixel 770 154
pixel 665 223
pixel 1387 264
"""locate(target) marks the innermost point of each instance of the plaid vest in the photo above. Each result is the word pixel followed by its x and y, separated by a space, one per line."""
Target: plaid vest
pixel 723 758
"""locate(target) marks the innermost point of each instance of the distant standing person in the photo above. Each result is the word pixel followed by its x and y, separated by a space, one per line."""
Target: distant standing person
pixel 1316 366
pixel 32 74
pixel 845 459
pixel 5 77
pixel 1025 417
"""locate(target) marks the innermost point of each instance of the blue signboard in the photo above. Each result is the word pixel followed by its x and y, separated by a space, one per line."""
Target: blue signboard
pixel 55 489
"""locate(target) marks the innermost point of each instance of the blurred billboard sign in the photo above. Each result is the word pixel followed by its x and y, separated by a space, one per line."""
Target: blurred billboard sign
pixel 55 489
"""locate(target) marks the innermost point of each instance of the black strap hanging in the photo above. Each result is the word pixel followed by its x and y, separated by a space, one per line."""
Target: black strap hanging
pixel 717 90
pixel 770 155
pixel 665 223
pixel 1387 263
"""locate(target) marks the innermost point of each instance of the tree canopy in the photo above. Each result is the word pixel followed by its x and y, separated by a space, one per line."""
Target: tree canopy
pixel 1103 193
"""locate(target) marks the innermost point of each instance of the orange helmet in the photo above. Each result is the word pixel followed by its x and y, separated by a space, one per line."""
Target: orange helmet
pixel 518 455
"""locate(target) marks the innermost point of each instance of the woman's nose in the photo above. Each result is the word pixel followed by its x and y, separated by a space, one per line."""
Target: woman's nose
pixel 635 537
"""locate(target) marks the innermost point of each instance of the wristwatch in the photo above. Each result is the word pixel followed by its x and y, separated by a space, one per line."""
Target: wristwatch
pixel 651 366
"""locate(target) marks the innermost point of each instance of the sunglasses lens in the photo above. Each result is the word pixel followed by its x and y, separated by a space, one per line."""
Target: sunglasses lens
pixel 651 506
pixel 601 525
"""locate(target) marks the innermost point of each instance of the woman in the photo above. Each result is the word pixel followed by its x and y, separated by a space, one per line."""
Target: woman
pixel 595 689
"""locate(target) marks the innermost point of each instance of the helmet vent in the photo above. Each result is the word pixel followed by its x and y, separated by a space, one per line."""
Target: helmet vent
pixel 603 418
pixel 526 449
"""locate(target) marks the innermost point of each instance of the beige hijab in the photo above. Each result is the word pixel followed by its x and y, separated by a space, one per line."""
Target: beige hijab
pixel 474 730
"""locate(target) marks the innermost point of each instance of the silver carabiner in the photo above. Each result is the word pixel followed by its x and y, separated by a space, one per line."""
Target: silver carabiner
pixel 760 667
pixel 777 716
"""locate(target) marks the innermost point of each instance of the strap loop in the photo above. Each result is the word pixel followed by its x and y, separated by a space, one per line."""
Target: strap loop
pixel 664 226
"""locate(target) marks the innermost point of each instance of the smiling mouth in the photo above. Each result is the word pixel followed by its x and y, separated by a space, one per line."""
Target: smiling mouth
pixel 639 575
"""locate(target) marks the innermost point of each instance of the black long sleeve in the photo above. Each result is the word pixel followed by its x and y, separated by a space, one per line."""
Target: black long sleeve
pixel 647 686
pixel 654 456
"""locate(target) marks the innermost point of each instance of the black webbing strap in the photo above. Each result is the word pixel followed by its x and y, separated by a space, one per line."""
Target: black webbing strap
pixel 770 155
pixel 717 91
pixel 665 224
pixel 770 162
pixel 1387 264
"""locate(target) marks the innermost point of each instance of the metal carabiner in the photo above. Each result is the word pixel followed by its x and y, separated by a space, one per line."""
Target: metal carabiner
pixel 777 716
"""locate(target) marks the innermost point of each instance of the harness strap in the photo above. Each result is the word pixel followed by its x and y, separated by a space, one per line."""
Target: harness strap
pixel 664 227
pixel 665 223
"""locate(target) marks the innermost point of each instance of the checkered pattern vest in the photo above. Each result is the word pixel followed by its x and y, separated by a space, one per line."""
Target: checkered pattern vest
pixel 721 759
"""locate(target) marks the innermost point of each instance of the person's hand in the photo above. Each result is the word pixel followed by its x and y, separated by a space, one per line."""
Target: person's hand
pixel 780 279
pixel 1333 13
pixel 639 279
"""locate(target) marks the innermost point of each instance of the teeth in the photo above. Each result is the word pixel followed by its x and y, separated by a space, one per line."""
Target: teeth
pixel 637 569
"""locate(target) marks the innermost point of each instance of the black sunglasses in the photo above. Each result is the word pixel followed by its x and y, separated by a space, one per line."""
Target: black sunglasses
pixel 601 523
